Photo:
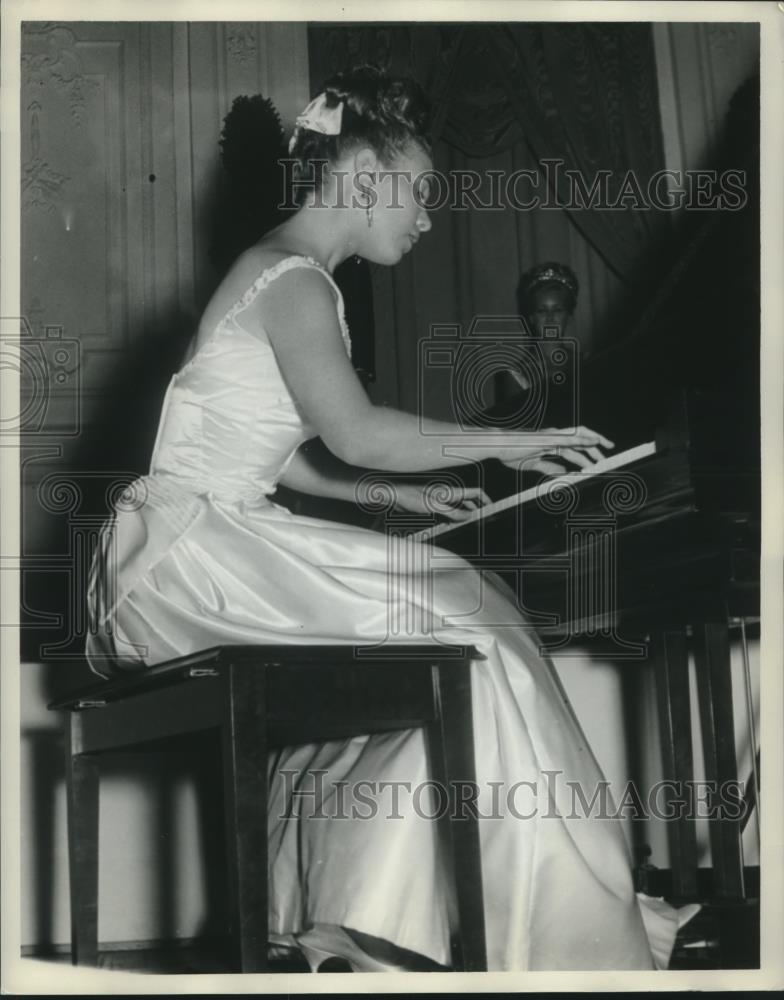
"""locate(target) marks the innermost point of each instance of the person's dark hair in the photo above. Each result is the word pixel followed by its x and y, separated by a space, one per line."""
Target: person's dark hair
pixel 383 112
pixel 547 276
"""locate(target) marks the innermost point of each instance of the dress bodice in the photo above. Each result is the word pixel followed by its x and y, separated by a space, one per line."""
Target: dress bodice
pixel 229 424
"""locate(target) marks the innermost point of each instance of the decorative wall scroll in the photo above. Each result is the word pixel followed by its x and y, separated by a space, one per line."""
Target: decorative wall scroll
pixel 50 56
pixel 241 43
pixel 722 38
pixel 41 184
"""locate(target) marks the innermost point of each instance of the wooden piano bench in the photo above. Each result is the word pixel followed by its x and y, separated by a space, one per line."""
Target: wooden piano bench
pixel 259 698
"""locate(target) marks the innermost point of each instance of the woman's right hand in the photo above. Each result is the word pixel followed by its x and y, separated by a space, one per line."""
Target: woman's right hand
pixel 545 450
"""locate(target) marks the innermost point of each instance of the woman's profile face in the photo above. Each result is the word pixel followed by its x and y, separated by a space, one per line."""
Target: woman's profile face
pixel 399 216
pixel 550 312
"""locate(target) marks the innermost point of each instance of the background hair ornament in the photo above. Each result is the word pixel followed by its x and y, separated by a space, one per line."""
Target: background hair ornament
pixel 317 117
pixel 560 273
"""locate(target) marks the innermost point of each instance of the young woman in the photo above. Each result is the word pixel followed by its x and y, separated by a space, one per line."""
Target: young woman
pixel 197 555
pixel 547 297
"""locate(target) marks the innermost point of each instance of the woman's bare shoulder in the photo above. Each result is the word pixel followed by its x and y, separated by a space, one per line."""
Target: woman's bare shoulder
pixel 251 265
pixel 259 258
pixel 298 286
pixel 301 301
pixel 262 257
pixel 243 274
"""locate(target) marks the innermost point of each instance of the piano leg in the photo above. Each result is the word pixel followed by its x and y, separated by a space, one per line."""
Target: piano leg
pixel 714 685
pixel 671 663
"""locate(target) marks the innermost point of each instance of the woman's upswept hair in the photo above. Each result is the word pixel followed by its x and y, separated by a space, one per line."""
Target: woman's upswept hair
pixel 383 112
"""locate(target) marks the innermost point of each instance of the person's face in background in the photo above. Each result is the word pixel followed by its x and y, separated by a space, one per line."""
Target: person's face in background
pixel 551 310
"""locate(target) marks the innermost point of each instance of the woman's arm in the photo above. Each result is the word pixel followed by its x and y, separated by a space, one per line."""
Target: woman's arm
pixel 297 312
pixel 316 471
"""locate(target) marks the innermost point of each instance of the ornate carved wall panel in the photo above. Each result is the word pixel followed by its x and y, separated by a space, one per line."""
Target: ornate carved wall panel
pixel 81 213
pixel 120 158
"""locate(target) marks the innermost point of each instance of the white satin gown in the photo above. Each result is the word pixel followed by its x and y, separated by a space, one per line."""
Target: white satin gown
pixel 196 555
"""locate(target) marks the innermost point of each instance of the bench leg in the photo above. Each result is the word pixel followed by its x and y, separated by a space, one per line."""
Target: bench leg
pixel 714 686
pixel 452 766
pixel 245 790
pixel 82 787
pixel 671 663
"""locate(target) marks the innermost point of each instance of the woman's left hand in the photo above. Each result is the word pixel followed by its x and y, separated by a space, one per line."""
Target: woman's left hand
pixel 453 502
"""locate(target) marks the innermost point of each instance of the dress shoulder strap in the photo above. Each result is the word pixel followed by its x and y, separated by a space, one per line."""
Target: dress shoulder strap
pixel 269 274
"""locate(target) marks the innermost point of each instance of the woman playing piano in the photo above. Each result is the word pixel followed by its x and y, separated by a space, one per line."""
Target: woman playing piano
pixel 205 558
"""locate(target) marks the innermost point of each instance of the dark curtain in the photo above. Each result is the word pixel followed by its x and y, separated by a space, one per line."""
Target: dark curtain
pixel 505 97
pixel 582 94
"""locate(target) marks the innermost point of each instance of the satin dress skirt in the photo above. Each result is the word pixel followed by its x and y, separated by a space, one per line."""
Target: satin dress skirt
pixel 352 836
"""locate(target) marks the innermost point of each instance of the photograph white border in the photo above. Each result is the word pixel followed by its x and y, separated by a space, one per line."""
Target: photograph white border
pixel 27 976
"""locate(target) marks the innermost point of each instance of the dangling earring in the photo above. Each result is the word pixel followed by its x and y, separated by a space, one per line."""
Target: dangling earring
pixel 369 211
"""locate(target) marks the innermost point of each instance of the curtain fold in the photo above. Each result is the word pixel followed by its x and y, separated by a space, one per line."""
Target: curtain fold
pixel 581 95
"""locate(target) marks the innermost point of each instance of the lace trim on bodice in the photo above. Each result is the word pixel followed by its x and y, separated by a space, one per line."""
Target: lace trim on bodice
pixel 267 276
pixel 270 274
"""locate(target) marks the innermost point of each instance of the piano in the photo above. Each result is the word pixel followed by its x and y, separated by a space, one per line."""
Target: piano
pixel 657 553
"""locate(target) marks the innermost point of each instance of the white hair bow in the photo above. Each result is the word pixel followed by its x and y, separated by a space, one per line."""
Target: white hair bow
pixel 317 117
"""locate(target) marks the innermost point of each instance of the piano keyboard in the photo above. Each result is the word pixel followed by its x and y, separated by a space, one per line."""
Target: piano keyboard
pixel 608 464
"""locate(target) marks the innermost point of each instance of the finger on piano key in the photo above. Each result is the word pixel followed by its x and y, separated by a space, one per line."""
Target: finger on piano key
pixel 475 497
pixel 548 468
pixel 471 500
pixel 595 453
pixel 577 457
pixel 585 437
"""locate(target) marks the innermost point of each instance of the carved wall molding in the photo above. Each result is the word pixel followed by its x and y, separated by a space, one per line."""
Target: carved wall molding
pixel 722 38
pixel 241 43
pixel 41 184
pixel 51 56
